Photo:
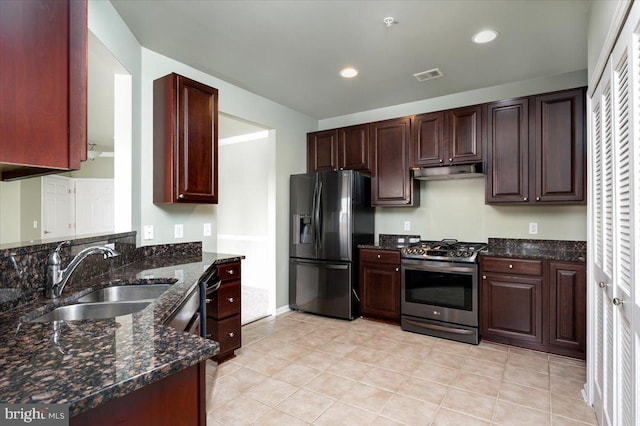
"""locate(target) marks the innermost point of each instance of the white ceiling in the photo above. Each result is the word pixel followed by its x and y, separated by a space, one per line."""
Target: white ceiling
pixel 291 51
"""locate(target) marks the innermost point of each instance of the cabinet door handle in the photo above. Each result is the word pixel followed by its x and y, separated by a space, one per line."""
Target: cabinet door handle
pixel 441 160
pixel 231 272
pixel 484 277
pixel 378 256
pixel 397 269
pixel 510 266
pixel 537 198
pixel 181 196
pixel 602 284
pixel 208 300
pixel 230 334
pixel 525 199
pixel 230 299
pixel 450 159
pixel 617 301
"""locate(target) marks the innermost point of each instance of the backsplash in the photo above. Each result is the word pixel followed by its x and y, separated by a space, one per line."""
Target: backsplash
pixel 23 269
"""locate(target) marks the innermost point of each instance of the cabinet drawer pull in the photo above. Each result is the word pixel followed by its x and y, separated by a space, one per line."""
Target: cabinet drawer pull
pixel 230 299
pixel 617 301
pixel 602 284
pixel 378 256
pixel 231 272
pixel 510 266
pixel 230 334
pixel 208 300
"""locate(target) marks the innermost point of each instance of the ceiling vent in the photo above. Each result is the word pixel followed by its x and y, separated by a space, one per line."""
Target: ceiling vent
pixel 428 75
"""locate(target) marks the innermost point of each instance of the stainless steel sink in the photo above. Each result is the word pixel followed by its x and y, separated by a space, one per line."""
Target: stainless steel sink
pixel 85 311
pixel 126 293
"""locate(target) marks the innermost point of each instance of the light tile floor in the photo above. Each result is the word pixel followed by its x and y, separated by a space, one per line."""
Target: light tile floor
pixel 300 369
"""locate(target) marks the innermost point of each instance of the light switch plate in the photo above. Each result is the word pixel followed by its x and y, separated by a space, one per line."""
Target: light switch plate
pixel 148 232
pixel 206 230
pixel 533 228
pixel 407 225
pixel 178 231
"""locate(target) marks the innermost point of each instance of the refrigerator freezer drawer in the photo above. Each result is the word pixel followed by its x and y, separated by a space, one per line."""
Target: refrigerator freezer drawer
pixel 323 288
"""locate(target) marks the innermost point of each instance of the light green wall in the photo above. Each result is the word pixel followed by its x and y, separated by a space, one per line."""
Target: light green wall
pixel 101 167
pixel 600 18
pixel 9 203
pixel 456 209
pixel 31 209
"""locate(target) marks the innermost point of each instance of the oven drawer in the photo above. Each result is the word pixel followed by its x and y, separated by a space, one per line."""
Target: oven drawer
pixel 384 256
pixel 512 266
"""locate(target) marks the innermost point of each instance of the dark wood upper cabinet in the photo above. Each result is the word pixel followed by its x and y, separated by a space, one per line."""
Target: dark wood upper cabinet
pixel 391 182
pixel 447 137
pixel 353 148
pixel 346 148
pixel 560 150
pixel 43 100
pixel 537 149
pixel 507 174
pixel 464 135
pixel 322 151
pixel 428 143
pixel 185 141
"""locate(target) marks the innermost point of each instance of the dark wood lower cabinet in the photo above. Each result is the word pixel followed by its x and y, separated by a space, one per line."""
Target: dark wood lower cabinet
pixel 178 399
pixel 380 284
pixel 535 304
pixel 567 304
pixel 224 312
pixel 513 307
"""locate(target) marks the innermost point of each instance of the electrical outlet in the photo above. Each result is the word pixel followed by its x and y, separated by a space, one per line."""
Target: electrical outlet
pixel 178 231
pixel 206 230
pixel 179 275
pixel 35 224
pixel 407 225
pixel 148 232
pixel 533 228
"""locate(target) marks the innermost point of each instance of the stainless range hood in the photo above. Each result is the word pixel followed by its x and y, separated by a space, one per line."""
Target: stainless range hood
pixel 449 172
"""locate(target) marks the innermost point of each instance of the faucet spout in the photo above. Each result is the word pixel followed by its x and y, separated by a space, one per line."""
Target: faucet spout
pixel 57 278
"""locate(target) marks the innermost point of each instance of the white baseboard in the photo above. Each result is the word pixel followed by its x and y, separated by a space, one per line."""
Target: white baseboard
pixel 282 310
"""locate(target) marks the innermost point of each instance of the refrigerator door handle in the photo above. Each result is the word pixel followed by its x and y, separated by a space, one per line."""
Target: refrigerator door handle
pixel 314 218
pixel 319 217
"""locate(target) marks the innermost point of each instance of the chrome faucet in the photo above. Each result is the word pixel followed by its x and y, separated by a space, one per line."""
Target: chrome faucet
pixel 57 278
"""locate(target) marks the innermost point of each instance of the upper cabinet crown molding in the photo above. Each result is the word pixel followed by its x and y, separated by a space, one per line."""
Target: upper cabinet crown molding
pixel 43 114
pixel 185 141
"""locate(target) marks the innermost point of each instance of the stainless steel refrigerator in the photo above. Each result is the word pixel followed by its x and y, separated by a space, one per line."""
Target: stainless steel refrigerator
pixel 330 214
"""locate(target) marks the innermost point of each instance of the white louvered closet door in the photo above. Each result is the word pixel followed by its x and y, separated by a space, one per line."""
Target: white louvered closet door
pixel 615 189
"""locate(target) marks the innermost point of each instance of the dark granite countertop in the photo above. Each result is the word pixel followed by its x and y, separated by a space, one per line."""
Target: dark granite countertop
pixel 86 363
pixel 567 251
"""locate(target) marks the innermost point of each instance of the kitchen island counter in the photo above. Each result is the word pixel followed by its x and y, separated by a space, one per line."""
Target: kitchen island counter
pixel 87 363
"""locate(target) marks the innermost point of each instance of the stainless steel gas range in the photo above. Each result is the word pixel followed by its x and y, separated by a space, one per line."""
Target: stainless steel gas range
pixel 439 289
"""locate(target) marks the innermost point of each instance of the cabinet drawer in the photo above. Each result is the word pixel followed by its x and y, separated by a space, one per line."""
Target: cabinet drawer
pixel 385 256
pixel 229 271
pixel 226 332
pixel 225 301
pixel 512 266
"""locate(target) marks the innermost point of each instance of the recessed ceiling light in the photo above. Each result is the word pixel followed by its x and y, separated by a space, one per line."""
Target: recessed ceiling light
pixel 485 36
pixel 348 72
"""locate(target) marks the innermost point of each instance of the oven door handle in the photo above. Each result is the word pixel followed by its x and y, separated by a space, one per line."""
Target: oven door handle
pixel 440 327
pixel 422 266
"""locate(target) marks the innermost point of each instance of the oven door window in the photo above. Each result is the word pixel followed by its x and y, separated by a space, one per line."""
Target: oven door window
pixel 447 290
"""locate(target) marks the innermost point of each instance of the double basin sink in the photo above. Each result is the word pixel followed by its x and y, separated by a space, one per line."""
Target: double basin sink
pixel 107 302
